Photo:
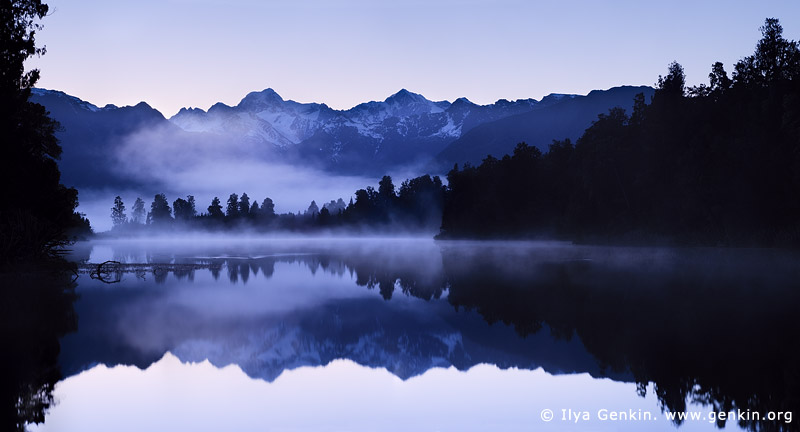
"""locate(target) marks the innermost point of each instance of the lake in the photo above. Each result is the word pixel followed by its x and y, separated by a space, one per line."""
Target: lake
pixel 345 334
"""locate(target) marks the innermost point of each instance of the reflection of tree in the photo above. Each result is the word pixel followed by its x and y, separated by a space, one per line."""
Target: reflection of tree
pixel 416 274
pixel 36 309
pixel 160 274
pixel 244 270
pixel 233 272
pixel 184 272
pixel 267 267
pixel 709 326
pixel 715 328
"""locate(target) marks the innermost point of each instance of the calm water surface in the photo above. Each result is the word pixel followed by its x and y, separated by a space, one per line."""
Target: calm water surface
pixel 358 335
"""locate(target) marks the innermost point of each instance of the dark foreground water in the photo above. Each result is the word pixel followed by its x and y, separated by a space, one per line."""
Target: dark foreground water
pixel 402 335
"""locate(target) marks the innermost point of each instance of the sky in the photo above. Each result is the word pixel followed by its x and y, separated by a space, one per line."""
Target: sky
pixel 194 53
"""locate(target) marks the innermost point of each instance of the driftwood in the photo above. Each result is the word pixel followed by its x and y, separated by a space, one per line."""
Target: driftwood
pixel 112 271
pixel 103 272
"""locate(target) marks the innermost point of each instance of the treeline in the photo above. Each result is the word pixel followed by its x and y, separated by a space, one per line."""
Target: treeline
pixel 716 164
pixel 37 212
pixel 37 218
pixel 415 206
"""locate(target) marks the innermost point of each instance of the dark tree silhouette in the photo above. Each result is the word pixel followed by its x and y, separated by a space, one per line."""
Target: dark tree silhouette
pixel 160 212
pixel 420 202
pixel 267 208
pixel 244 205
pixel 192 208
pixel 324 217
pixel 37 213
pixel 232 211
pixel 386 189
pixel 215 209
pixel 718 79
pixel 775 60
pixel 36 219
pixel 184 209
pixel 118 217
pixel 715 164
pixel 674 84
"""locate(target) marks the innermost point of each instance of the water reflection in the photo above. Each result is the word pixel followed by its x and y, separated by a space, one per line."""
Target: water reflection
pixel 36 309
pixel 707 326
pixel 340 396
pixel 704 325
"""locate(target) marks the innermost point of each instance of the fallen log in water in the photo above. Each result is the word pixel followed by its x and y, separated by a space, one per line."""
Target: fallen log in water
pixel 112 271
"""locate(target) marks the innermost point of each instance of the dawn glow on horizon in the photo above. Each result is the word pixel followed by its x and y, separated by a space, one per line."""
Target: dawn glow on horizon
pixel 183 53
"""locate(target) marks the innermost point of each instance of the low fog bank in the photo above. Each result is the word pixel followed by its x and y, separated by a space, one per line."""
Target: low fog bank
pixel 245 236
pixel 290 193
pixel 291 189
pixel 349 207
pixel 176 163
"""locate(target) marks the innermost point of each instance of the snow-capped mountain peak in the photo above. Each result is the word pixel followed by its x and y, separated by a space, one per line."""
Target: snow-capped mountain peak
pixel 259 100
pixel 400 120
pixel 405 97
pixel 405 103
pixel 403 130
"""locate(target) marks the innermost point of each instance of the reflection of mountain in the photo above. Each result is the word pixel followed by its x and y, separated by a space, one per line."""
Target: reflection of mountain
pixel 373 333
pixel 714 326
pixel 407 336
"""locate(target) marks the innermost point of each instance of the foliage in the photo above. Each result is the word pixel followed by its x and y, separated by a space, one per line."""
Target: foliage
pixel 267 208
pixel 37 213
pixel 717 164
pixel 232 210
pixel 160 212
pixel 37 218
pixel 118 217
pixel 215 209
pixel 184 209
pixel 417 207
pixel 244 205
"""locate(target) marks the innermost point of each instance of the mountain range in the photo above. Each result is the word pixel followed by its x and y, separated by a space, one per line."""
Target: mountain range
pixel 406 130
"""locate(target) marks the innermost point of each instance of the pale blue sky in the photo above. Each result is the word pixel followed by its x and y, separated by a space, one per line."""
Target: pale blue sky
pixel 175 53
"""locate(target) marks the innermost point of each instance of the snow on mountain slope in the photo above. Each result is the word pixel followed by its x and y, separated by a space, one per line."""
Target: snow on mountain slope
pixel 267 118
pixel 40 93
pixel 403 132
pixel 263 116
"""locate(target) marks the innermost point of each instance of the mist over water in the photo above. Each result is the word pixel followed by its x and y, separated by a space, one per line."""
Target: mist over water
pixel 281 307
pixel 272 305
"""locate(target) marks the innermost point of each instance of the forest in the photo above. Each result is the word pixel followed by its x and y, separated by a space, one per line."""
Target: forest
pixel 716 164
pixel 415 207
pixel 37 220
